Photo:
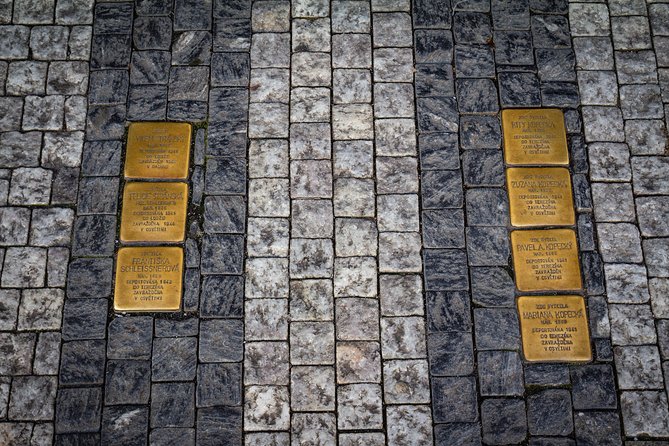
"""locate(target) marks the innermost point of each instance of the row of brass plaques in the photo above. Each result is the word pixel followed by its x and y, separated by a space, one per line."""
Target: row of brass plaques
pixel 155 201
pixel 545 258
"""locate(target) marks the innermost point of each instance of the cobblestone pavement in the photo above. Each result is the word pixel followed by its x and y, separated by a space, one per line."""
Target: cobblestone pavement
pixel 348 276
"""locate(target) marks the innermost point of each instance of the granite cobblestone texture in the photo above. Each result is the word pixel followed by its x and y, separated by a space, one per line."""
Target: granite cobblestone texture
pixel 44 74
pixel 620 74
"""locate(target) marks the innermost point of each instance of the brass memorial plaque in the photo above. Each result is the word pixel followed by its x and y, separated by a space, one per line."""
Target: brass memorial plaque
pixel 554 328
pixel 148 279
pixel 546 260
pixel 540 196
pixel 158 150
pixel 534 136
pixel 154 212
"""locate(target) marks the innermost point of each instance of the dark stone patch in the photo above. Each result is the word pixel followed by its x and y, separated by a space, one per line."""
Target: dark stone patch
pixel 84 319
pixel 513 48
pixel 90 278
pixel 127 382
pixel 492 287
pixel 487 207
pixel 474 61
pixel 433 46
pixel 443 228
pixel 82 363
pixel 152 33
pixel 556 64
pixel 445 269
pixel 172 405
pixel 147 103
pixel 480 132
pixel 192 48
pixel 549 412
pixel 219 385
pixel 483 167
pixel 434 80
pixel 503 421
pixel 511 14
pixel 560 94
pixel 113 18
pixel 230 69
pixel 594 387
pixel 472 27
pixel 593 272
pixel 519 90
pixel 448 311
pixel 105 122
pixel 496 329
pixel 192 15
pixel 432 14
pixel 172 436
pixel 546 375
pixel 457 434
pixel 108 87
pixel 169 328
pixel 487 246
pixel 477 96
pixel 102 158
pixel 441 189
pixel 225 176
pixel 222 254
pixel 174 359
pixel 126 425
pixel 110 51
pixel 98 195
pixel 225 214
pixel 130 337
pixel 437 114
pixel 222 296
pixel 551 31
pixel 454 400
pixel 214 423
pixel 78 410
pixel 150 67
pixel 439 151
pixel 500 373
pixel 94 235
pixel 221 340
pixel 595 428
pixel 450 353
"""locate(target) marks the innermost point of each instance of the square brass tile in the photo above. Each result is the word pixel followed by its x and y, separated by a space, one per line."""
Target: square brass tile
pixel 546 260
pixel 154 212
pixel 148 279
pixel 540 196
pixel 158 150
pixel 554 328
pixel 534 136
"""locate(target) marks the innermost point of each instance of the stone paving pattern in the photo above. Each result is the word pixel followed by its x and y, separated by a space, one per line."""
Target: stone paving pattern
pixel 373 237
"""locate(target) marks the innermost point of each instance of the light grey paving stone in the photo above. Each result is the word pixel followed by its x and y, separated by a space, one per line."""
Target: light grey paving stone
pixel 312 343
pixel 351 51
pixel 613 202
pixel 311 300
pixel 20 149
pixel 631 325
pixel 504 421
pixel 393 65
pixel 310 141
pixel 636 67
pixel 26 77
pixel 641 101
pixel 357 319
pixel 645 413
pixel 30 186
pixel 399 252
pixel 395 137
pixel 350 17
pixel 355 237
pixel 352 121
pixel 270 85
pixel 51 227
pixel 646 137
pixel 266 363
pixel 396 175
pixel 266 320
pixel 400 295
pixel 619 242
pixel 41 309
pixel 630 32
pixel 658 288
pixel 626 283
pixel 62 149
pixel 353 159
pixel 79 44
pixel 351 86
pixel 271 16
pixel 354 197
pixel 403 337
pixel 34 12
pixel 16 38
pixel 649 175
pixel 19 348
pixel 73 12
pixel 310 69
pixel 312 388
pixel 355 277
pixel 619 7
pixel 609 162
pixel 594 53
pixel 650 211
pixel 267 438
pixel 269 197
pixel 398 213
pixel 638 367
pixel 406 381
pixel 589 19
pixel 359 406
pixel 358 362
pixel 318 428
pixel 24 268
pixel 311 179
pixel 393 100
pixel 408 423
pixel 311 34
pixel 312 219
pixel 310 8
pixel 75 113
pixel 362 439
pixel 11 110
pixel 656 252
pixel 268 120
pixel 9 305
pixel 598 87
pixel 266 277
pixel 311 258
pixel 270 159
pixel 274 414
pixel 603 124
pixel 391 30
pixel 32 398
pixel 14 222
pixel 310 105
pixel 390 5
pixel 267 237
pixel 270 50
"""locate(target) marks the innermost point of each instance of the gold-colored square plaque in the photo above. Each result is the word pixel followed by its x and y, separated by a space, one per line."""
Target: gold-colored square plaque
pixel 534 136
pixel 546 260
pixel 158 150
pixel 554 328
pixel 154 212
pixel 148 279
pixel 540 196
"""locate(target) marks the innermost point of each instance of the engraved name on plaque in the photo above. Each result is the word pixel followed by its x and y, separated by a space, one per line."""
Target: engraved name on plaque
pixel 546 260
pixel 554 328
pixel 158 150
pixel 154 212
pixel 148 279
pixel 534 136
pixel 540 196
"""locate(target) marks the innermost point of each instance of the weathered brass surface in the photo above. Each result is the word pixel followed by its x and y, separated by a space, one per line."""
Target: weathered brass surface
pixel 554 328
pixel 158 150
pixel 540 196
pixel 534 136
pixel 154 212
pixel 148 279
pixel 546 260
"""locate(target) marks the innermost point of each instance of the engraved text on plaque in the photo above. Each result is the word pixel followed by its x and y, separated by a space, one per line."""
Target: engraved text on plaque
pixel 158 150
pixel 534 136
pixel 540 196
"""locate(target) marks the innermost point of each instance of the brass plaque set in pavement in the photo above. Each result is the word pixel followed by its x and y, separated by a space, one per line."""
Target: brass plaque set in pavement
pixel 149 265
pixel 545 250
